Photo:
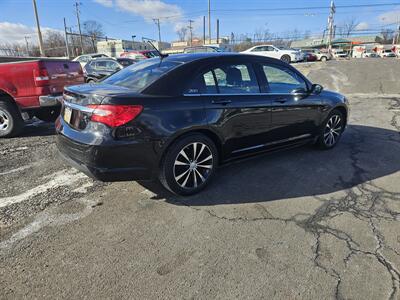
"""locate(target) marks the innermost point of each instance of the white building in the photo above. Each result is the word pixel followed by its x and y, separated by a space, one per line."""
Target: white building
pixel 115 48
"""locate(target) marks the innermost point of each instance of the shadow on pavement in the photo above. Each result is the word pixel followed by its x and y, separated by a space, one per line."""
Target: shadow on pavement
pixel 38 128
pixel 363 154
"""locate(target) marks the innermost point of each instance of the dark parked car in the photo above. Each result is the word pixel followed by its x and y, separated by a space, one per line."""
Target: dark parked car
pixel 97 69
pixel 179 117
pixel 126 62
pixel 309 56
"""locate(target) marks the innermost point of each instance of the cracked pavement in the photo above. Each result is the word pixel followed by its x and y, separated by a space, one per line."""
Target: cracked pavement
pixel 299 224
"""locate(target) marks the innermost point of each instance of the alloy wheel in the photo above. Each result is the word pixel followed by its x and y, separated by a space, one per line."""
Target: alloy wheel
pixel 4 120
pixel 333 130
pixel 193 165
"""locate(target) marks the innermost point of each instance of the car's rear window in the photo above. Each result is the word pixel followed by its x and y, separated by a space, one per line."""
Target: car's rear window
pixel 142 74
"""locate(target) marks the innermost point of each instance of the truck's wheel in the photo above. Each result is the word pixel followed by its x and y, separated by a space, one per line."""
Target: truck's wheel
pixel 285 58
pixel 48 115
pixel 11 123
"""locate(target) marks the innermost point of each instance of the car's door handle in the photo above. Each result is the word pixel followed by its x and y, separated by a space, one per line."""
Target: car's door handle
pixel 221 101
pixel 280 100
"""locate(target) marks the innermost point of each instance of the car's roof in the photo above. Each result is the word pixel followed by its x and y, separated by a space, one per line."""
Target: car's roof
pixel 191 57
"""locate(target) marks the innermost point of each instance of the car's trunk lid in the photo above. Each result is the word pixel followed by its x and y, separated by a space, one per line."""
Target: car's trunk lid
pixel 76 100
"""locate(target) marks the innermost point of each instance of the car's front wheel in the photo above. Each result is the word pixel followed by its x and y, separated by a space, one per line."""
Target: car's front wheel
pixel 332 130
pixel 324 58
pixel 189 164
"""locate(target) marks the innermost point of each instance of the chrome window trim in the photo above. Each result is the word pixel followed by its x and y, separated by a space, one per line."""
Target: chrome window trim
pixel 244 94
pixel 294 138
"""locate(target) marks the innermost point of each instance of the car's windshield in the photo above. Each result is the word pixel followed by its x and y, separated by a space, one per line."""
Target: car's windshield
pixel 142 74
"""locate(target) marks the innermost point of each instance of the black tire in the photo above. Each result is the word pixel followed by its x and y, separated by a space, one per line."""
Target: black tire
pixel 324 58
pixel 11 122
pixel 189 168
pixel 331 131
pixel 286 58
pixel 48 115
pixel 90 81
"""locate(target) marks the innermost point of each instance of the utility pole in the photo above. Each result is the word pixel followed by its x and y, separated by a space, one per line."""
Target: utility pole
pixel 209 21
pixel 217 31
pixel 204 30
pixel 66 38
pixel 38 29
pixel 27 44
pixel 330 25
pixel 191 31
pixel 79 24
pixel 157 22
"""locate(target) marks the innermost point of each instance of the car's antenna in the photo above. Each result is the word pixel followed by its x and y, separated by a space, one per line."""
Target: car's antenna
pixel 155 48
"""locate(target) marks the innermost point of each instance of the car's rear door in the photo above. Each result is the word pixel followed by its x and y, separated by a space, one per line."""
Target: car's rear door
pixel 295 113
pixel 235 107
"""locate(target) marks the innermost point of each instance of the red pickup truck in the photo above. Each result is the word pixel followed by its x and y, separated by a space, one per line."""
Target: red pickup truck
pixel 32 87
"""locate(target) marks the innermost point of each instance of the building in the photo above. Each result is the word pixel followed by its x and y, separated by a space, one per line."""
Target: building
pixel 179 46
pixel 114 48
pixel 342 43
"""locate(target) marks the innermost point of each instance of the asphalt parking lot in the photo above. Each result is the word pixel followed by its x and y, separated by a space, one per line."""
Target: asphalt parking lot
pixel 300 224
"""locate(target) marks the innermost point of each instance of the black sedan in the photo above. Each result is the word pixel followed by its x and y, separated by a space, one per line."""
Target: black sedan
pixel 97 69
pixel 177 118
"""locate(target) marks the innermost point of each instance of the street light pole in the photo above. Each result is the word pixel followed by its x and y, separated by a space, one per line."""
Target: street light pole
pixel 38 29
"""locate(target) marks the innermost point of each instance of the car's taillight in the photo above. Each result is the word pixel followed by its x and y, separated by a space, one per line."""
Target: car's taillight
pixel 41 76
pixel 114 115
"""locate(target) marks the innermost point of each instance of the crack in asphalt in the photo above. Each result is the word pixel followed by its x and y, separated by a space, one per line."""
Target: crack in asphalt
pixel 369 205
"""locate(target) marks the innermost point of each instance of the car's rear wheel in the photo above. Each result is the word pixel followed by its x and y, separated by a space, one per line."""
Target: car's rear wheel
pixel 332 130
pixel 189 164
pixel 11 122
pixel 285 58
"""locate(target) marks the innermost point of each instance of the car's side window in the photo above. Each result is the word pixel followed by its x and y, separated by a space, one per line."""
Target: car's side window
pixel 236 79
pixel 101 65
pixel 203 84
pixel 282 80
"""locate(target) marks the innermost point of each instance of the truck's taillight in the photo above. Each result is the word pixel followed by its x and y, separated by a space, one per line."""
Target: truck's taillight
pixel 41 76
pixel 114 115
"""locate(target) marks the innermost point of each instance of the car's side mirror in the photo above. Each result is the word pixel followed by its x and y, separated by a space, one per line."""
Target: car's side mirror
pixel 316 89
pixel 299 92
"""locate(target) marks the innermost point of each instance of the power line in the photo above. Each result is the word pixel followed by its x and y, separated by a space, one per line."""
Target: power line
pixel 306 7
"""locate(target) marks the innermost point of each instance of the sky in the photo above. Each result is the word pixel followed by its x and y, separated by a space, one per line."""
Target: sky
pixel 124 18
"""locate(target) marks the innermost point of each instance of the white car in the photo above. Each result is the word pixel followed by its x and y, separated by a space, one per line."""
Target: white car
pixel 387 53
pixel 285 54
pixel 85 58
pixel 340 54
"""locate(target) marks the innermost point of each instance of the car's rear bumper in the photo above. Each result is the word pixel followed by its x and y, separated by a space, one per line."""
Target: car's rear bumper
pixel 108 174
pixel 108 160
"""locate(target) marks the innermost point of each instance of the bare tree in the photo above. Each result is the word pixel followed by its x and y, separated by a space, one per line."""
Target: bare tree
pixel 54 43
pixel 387 35
pixel 93 28
pixel 347 27
pixel 182 32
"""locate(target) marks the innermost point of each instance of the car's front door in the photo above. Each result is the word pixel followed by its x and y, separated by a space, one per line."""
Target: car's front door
pixel 235 108
pixel 295 112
